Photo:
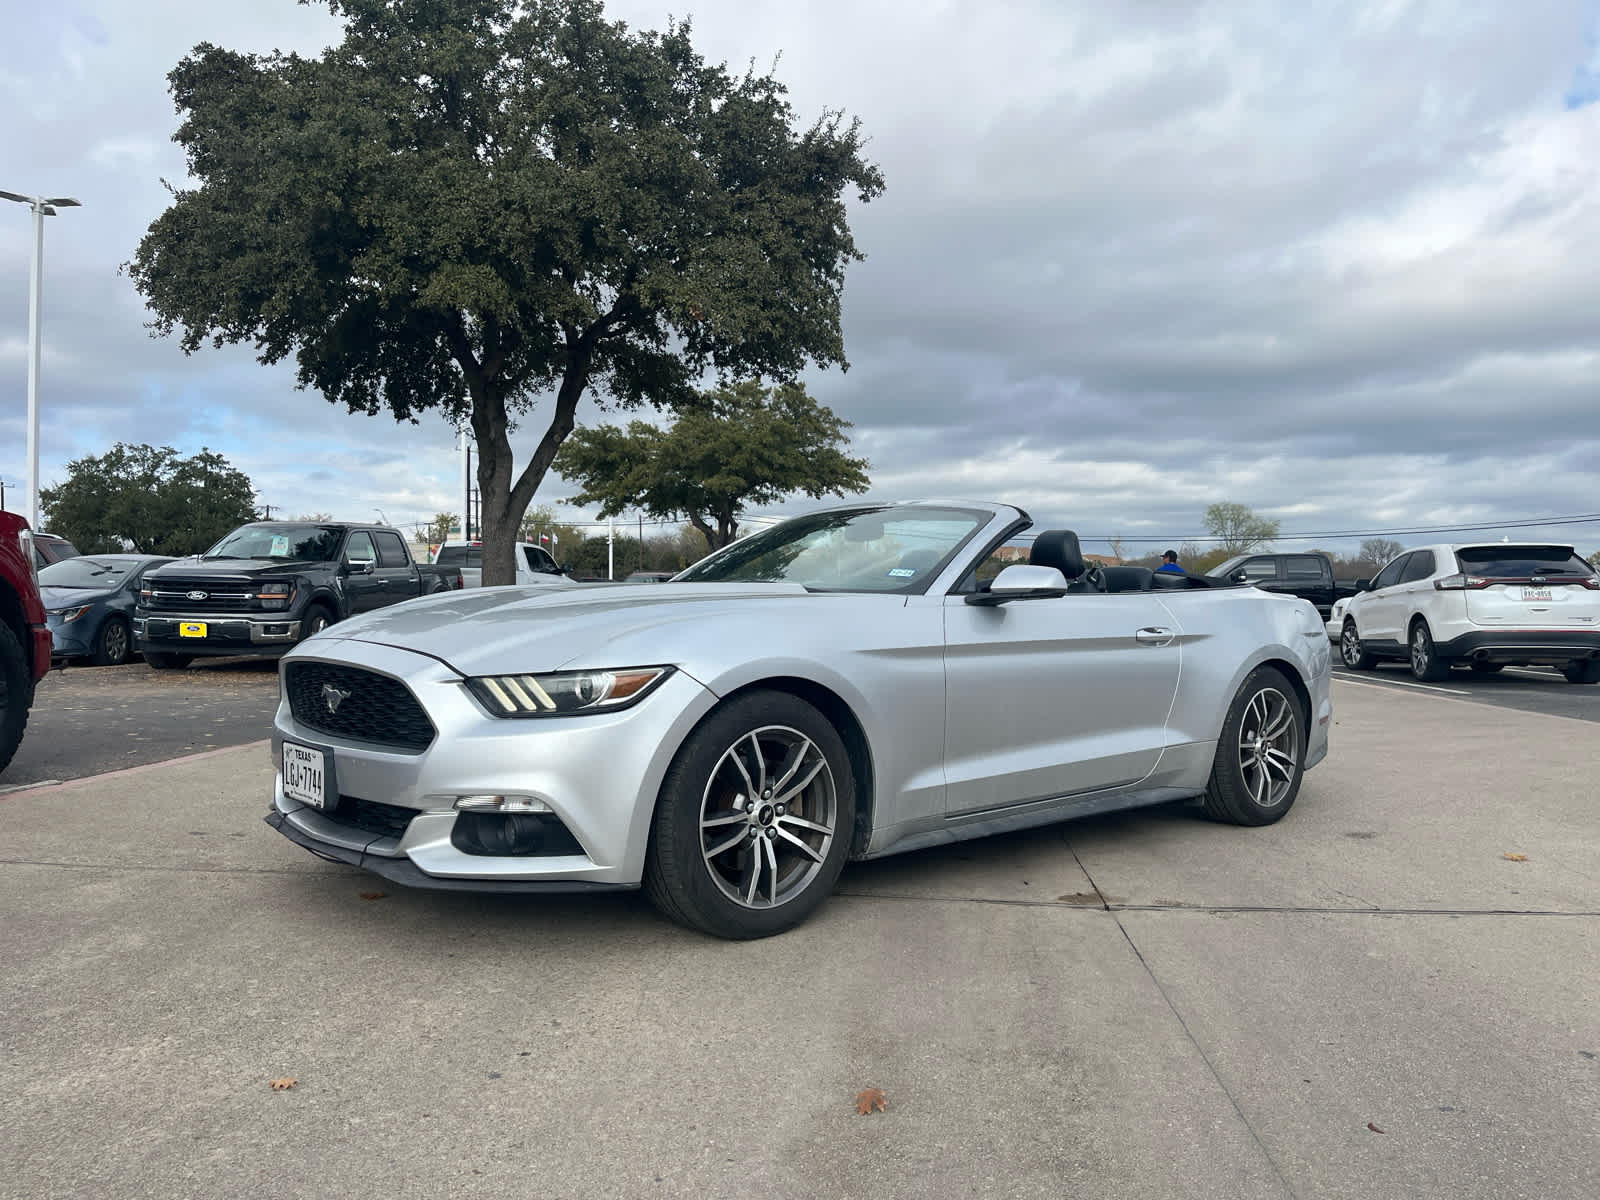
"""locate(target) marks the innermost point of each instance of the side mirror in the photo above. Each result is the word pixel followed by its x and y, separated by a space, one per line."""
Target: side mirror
pixel 1239 576
pixel 361 566
pixel 1363 585
pixel 1021 581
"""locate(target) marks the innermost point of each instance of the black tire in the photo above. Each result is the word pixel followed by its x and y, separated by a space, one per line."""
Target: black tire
pixel 317 619
pixel 1587 671
pixel 16 694
pixel 160 661
pixel 114 645
pixel 1249 785
pixel 699 867
pixel 1351 652
pixel 1487 668
pixel 1426 665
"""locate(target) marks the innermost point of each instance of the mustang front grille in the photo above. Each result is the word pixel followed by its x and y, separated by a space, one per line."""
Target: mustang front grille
pixel 354 703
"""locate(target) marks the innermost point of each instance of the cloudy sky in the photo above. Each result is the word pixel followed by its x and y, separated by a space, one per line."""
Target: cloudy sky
pixel 1339 266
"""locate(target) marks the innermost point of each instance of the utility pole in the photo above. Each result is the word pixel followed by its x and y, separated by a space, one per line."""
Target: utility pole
pixel 611 552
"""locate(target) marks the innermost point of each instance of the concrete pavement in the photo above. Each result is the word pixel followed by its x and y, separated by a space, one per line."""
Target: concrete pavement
pixel 1138 1006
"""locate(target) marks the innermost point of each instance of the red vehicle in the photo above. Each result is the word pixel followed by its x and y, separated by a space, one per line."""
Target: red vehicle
pixel 24 637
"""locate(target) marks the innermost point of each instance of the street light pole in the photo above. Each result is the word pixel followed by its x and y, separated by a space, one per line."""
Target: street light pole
pixel 42 208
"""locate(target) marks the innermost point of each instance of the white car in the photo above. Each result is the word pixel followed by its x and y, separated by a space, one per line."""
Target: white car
pixel 534 564
pixel 1484 606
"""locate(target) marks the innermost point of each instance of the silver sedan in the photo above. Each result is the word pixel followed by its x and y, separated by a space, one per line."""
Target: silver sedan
pixel 856 682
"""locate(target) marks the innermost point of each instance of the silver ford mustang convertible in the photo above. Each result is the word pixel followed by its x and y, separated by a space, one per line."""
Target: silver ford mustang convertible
pixel 855 682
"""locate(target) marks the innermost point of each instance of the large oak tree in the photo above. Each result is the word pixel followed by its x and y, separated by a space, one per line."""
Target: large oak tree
pixel 486 207
pixel 746 444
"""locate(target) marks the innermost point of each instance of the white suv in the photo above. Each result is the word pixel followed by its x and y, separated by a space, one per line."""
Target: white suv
pixel 1483 606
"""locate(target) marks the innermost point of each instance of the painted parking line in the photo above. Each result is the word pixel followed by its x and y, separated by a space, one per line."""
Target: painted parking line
pixel 1405 683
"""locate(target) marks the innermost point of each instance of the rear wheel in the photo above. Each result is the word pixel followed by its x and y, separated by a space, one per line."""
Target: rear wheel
pixel 1587 671
pixel 1426 664
pixel 1257 772
pixel 1350 650
pixel 754 819
pixel 167 662
pixel 16 694
pixel 112 646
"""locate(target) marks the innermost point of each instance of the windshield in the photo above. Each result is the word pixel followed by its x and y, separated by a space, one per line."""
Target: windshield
pixel 104 573
pixel 302 543
pixel 880 549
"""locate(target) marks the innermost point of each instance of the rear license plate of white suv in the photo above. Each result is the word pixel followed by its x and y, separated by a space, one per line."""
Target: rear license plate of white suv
pixel 1536 593
pixel 305 775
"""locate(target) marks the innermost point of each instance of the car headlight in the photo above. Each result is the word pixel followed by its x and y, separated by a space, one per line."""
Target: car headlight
pixel 69 615
pixel 276 595
pixel 565 693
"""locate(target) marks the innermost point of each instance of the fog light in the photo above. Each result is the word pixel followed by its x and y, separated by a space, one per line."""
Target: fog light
pixel 502 804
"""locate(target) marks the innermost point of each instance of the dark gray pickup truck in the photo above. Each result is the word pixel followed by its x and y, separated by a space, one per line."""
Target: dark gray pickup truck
pixel 271 584
pixel 1308 575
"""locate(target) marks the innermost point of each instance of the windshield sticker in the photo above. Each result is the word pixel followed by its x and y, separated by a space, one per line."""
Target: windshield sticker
pixel 902 572
pixel 280 546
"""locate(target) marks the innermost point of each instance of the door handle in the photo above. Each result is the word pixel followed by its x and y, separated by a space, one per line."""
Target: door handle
pixel 1153 635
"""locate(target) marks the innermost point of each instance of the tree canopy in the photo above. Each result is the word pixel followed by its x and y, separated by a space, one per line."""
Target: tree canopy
pixel 470 205
pixel 1379 551
pixel 742 445
pixel 147 500
pixel 1238 529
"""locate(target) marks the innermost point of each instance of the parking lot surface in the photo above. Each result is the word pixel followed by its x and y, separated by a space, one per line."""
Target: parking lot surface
pixel 1368 999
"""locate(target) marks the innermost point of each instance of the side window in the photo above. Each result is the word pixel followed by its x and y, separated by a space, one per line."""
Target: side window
pixel 1257 570
pixel 391 550
pixel 1390 575
pixel 1302 567
pixel 1418 566
pixel 359 548
pixel 545 562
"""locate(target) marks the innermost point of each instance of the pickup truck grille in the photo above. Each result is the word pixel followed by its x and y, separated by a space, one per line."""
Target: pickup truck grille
pixel 210 595
pixel 366 706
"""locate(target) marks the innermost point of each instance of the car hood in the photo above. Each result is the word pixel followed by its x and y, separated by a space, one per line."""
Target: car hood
pixel 65 597
pixel 522 628
pixel 189 568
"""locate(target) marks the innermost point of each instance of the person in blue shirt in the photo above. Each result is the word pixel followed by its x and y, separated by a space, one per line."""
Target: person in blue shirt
pixel 1170 563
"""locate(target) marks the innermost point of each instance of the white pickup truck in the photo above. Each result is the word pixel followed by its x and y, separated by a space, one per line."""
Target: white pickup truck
pixel 534 564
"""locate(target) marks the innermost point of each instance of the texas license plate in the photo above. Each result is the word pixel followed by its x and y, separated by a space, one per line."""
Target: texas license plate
pixel 192 629
pixel 305 775
pixel 1536 593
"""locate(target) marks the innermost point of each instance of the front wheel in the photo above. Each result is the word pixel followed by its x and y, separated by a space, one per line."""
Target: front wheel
pixel 1426 664
pixel 111 648
pixel 754 819
pixel 1350 650
pixel 315 621
pixel 1587 671
pixel 1258 768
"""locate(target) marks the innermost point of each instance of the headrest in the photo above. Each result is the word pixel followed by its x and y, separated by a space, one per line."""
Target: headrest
pixel 1057 548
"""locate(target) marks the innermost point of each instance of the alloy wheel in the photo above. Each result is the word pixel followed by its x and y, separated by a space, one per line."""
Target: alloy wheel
pixel 115 643
pixel 1269 744
pixel 767 817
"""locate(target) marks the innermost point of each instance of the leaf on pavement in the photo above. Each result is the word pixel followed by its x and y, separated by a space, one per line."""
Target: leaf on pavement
pixel 284 1084
pixel 1515 857
pixel 1373 1127
pixel 872 1099
pixel 373 895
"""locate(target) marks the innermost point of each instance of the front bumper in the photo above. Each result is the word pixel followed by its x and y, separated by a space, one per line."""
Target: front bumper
pixel 228 634
pixel 1528 647
pixel 599 775
pixel 69 641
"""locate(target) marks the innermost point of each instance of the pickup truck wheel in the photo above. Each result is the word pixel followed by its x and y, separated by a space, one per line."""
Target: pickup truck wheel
pixel 1350 650
pixel 316 620
pixel 112 646
pixel 754 819
pixel 1256 775
pixel 16 694
pixel 1583 672
pixel 166 662
pixel 1426 664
